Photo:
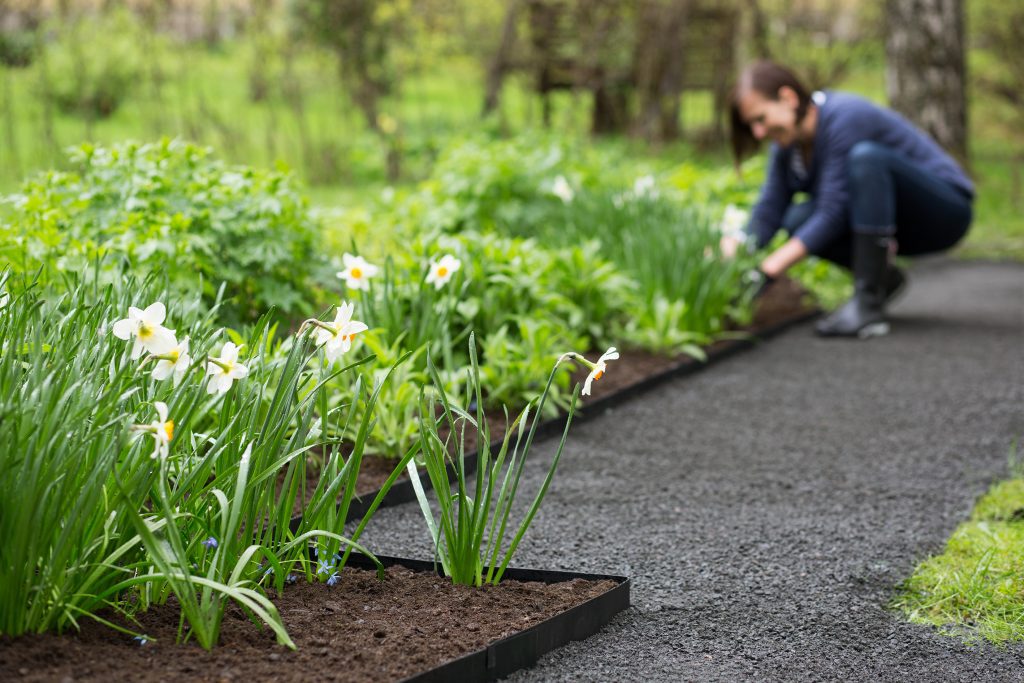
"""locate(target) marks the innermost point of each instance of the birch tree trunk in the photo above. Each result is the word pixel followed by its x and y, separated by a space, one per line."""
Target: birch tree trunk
pixel 925 68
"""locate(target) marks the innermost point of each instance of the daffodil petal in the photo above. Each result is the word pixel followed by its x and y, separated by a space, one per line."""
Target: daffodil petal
pixel 123 329
pixel 155 313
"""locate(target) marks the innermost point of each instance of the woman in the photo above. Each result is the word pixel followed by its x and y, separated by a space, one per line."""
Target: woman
pixel 876 185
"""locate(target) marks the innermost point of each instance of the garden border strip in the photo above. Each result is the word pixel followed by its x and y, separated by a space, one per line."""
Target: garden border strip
pixel 402 490
pixel 524 648
pixel 685 365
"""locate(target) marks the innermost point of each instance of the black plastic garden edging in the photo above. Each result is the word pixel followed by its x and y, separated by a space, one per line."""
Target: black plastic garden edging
pixel 523 649
pixel 402 490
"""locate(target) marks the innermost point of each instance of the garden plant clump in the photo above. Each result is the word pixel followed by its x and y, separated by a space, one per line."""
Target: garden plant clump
pixel 171 207
pixel 139 470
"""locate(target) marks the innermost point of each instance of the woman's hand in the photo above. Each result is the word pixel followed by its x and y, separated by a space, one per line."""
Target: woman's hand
pixel 777 262
pixel 729 245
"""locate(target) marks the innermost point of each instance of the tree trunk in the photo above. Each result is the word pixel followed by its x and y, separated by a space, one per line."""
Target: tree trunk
pixel 758 30
pixel 500 63
pixel 658 67
pixel 610 114
pixel 925 68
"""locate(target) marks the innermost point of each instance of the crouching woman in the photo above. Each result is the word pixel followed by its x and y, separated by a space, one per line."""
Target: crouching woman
pixel 876 185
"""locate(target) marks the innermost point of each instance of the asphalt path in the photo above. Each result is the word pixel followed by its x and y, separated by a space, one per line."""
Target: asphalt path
pixel 767 507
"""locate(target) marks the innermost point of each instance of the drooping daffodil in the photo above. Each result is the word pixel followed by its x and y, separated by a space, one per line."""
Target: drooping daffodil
pixel 733 220
pixel 357 272
pixel 224 370
pixel 162 430
pixel 597 369
pixel 146 326
pixel 562 189
pixel 441 271
pixel 645 186
pixel 336 337
pixel 173 360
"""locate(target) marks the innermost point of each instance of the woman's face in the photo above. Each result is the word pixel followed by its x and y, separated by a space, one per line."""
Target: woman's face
pixel 774 119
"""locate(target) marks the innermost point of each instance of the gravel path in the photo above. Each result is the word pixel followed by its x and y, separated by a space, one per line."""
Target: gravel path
pixel 766 508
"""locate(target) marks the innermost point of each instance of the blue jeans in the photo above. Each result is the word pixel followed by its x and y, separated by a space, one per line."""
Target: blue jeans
pixel 890 196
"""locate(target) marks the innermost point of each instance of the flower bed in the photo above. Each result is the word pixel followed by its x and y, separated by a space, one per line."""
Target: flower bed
pixel 415 625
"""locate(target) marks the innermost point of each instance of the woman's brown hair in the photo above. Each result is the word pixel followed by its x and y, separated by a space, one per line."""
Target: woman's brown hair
pixel 764 77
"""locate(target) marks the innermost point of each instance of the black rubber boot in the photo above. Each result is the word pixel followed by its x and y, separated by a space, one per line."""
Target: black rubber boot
pixel 863 316
pixel 895 283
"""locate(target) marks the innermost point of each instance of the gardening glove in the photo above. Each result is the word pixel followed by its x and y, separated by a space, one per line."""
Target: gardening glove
pixel 758 281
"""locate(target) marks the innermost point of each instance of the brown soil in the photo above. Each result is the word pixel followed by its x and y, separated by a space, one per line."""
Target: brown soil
pixel 360 629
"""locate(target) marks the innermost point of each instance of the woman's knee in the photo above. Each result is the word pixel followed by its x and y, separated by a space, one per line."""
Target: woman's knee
pixel 866 159
pixel 796 215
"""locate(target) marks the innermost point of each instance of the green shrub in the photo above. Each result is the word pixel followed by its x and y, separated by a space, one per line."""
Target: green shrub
pixel 17 47
pixel 171 207
pixel 91 77
pixel 521 183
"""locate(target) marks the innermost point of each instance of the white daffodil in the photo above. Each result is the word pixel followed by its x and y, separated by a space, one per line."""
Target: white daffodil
pixel 357 272
pixel 224 370
pixel 173 360
pixel 644 186
pixel 147 328
pixel 337 337
pixel 162 430
pixel 733 220
pixel 597 369
pixel 441 271
pixel 562 189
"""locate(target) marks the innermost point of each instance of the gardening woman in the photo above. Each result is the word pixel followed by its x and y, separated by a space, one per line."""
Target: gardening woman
pixel 875 184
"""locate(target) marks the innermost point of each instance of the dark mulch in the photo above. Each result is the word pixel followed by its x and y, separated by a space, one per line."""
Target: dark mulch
pixel 360 629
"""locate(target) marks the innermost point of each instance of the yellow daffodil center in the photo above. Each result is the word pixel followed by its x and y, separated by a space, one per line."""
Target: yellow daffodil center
pixel 145 331
pixel 442 271
pixel 168 428
pixel 357 273
pixel 173 356
pixel 224 365
pixel 599 374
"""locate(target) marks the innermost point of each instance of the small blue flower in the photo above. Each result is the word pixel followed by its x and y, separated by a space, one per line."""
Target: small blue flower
pixel 325 567
pixel 291 578
pixel 141 640
pixel 334 578
pixel 270 570
pixel 211 542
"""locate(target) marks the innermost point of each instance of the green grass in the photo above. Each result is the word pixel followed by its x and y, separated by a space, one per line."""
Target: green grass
pixel 975 588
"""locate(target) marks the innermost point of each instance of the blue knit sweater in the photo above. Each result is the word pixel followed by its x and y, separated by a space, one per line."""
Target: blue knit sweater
pixel 843 121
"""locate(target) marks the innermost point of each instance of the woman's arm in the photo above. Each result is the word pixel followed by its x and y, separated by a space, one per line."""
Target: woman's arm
pixel 774 197
pixel 789 254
